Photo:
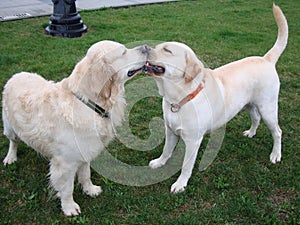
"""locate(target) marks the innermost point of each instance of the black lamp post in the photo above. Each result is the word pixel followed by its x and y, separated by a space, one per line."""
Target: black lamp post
pixel 65 20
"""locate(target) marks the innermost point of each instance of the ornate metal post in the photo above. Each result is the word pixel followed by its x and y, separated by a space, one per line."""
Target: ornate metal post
pixel 65 21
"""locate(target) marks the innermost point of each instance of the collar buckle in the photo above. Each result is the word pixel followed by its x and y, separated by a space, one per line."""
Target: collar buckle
pixel 175 107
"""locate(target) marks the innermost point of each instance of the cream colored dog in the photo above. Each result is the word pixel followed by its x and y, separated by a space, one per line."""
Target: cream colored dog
pixel 71 121
pixel 197 100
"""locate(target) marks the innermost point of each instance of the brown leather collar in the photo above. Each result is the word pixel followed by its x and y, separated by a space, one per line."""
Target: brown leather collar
pixel 176 107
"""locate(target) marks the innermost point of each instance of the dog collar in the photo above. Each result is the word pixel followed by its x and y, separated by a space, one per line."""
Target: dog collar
pixel 176 107
pixel 92 105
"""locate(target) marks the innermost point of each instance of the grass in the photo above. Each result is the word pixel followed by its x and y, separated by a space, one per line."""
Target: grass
pixel 240 187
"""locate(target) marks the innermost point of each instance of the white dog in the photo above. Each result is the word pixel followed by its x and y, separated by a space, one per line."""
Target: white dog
pixel 71 121
pixel 197 100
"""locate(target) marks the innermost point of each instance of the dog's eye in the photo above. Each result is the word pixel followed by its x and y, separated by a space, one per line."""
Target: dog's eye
pixel 124 52
pixel 167 50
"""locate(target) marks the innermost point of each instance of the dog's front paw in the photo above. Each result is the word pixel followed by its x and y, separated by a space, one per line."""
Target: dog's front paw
pixel 275 157
pixel 156 163
pixel 70 209
pixel 93 190
pixel 178 187
pixel 249 133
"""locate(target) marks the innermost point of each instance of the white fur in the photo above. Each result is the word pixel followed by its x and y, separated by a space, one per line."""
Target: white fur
pixel 50 119
pixel 251 82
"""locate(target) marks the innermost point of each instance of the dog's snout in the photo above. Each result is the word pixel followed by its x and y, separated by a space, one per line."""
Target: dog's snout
pixel 145 49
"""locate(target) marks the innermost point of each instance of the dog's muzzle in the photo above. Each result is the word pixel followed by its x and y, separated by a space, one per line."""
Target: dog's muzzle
pixel 153 69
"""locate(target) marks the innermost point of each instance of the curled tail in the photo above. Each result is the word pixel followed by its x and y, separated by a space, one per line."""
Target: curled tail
pixel 274 53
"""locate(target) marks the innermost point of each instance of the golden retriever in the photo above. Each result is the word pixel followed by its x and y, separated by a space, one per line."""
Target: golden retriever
pixel 197 100
pixel 71 121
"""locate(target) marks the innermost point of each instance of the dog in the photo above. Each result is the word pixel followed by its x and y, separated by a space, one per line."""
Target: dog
pixel 197 100
pixel 71 121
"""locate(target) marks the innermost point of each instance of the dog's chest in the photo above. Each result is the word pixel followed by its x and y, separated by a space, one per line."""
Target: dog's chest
pixel 173 120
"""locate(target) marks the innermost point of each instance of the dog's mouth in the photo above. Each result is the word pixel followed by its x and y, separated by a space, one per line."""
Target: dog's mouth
pixel 153 69
pixel 134 72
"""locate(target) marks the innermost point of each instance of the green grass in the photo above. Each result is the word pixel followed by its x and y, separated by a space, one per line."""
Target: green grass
pixel 240 187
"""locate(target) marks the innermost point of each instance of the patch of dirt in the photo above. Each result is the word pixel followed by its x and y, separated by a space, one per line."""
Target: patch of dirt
pixel 280 199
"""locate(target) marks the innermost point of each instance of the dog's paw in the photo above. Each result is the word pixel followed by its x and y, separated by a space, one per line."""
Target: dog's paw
pixel 156 163
pixel 275 157
pixel 178 187
pixel 70 209
pixel 9 159
pixel 93 190
pixel 249 133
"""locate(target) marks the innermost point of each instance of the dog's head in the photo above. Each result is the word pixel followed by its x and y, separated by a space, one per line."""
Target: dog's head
pixel 115 58
pixel 173 60
pixel 106 67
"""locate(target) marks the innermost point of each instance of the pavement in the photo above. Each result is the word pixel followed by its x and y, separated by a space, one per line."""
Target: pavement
pixel 22 9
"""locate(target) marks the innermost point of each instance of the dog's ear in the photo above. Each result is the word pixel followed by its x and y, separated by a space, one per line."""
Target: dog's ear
pixel 193 67
pixel 100 77
pixel 109 88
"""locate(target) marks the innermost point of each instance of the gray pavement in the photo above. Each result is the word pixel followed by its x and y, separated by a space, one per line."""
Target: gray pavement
pixel 21 9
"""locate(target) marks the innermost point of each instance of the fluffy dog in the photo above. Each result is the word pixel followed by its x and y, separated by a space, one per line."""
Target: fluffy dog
pixel 71 121
pixel 197 100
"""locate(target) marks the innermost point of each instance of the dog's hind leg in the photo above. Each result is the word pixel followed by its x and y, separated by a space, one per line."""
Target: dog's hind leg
pixel 11 156
pixel 255 119
pixel 270 117
pixel 84 178
pixel 62 174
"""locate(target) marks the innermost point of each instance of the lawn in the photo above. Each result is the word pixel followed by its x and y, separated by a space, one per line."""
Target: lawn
pixel 241 186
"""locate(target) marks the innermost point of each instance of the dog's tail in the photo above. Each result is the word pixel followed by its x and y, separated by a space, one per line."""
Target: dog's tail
pixel 274 53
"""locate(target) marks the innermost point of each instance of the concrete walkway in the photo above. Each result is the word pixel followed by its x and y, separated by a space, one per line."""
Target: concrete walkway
pixel 21 9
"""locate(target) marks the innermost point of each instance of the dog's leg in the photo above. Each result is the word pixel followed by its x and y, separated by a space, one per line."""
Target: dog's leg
pixel 255 119
pixel 62 175
pixel 8 131
pixel 84 178
pixel 269 115
pixel 171 141
pixel 11 156
pixel 191 151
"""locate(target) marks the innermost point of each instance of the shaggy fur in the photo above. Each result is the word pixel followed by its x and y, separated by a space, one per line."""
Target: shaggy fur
pixel 49 118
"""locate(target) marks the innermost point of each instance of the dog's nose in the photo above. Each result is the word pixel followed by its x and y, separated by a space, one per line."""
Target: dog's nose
pixel 145 49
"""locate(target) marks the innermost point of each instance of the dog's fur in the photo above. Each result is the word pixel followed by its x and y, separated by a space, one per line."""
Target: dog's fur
pixel 48 117
pixel 250 83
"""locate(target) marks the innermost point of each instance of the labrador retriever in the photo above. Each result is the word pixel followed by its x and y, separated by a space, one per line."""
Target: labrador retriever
pixel 197 100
